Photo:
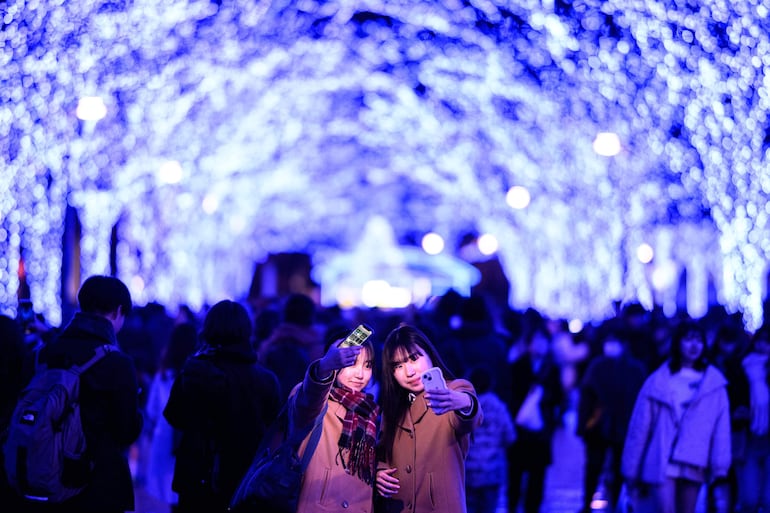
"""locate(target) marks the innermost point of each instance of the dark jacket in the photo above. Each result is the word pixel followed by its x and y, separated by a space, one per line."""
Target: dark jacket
pixel 222 403
pixel 109 408
pixel 607 395
pixel 536 445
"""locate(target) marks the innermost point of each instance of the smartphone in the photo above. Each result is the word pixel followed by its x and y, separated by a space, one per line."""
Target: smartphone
pixel 358 336
pixel 433 379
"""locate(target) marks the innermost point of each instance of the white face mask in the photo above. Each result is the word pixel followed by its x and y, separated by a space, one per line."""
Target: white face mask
pixel 613 348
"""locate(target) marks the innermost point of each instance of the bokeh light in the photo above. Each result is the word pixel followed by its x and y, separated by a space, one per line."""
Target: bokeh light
pixel 295 124
pixel 433 243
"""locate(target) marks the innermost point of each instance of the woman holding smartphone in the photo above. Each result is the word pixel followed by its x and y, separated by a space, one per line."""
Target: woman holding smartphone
pixel 425 434
pixel 340 474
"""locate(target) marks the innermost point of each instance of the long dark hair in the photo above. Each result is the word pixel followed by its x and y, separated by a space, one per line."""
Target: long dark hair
pixel 394 400
pixel 682 330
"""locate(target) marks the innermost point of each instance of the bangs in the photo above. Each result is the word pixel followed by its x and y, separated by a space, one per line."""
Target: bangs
pixel 401 353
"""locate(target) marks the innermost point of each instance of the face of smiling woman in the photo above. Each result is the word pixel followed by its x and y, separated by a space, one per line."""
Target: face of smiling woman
pixel 357 376
pixel 408 367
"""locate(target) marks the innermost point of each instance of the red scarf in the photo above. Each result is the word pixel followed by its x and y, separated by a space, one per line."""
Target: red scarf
pixel 359 432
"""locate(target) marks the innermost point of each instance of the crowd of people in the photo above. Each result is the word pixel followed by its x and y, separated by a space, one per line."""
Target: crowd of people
pixel 667 407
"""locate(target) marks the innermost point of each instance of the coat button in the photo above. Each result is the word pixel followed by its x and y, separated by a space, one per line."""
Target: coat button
pixel 408 469
pixel 345 504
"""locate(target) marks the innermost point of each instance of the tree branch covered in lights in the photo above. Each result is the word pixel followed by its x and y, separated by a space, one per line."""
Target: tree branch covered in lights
pixel 236 129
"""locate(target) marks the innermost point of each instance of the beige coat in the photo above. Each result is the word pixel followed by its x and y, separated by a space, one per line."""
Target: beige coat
pixel 326 485
pixel 429 453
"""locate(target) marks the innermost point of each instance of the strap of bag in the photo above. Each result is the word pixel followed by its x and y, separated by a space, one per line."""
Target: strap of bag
pixel 99 353
pixel 314 438
pixel 295 438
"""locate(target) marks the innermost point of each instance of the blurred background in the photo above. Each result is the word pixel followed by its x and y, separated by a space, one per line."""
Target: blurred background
pixel 566 155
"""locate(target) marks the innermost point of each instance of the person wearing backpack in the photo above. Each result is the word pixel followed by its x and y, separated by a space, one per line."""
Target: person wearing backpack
pixel 221 402
pixel 108 401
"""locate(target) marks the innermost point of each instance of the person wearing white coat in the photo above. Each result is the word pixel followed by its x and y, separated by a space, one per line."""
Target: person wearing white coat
pixel 679 434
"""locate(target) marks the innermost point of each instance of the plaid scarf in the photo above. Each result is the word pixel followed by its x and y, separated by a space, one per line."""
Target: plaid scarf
pixel 359 432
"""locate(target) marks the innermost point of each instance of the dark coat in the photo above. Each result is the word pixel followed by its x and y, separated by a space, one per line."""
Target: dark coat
pixel 109 408
pixel 607 395
pixel 222 403
pixel 536 445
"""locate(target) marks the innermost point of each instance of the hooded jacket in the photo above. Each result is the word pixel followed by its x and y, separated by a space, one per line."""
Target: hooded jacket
pixel 656 437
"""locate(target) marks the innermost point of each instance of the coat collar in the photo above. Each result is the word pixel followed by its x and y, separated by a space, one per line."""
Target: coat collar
pixel 660 383
pixel 416 413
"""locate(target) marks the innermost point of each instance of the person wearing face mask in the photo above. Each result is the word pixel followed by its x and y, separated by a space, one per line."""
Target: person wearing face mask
pixel 679 434
pixel 425 435
pixel 607 393
pixel 341 472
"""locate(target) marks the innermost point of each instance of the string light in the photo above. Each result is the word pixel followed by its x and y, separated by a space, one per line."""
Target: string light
pixel 286 130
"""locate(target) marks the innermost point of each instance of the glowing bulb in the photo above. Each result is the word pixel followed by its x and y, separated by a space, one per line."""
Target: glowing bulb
pixel 645 253
pixel 210 203
pixel 575 325
pixel 170 172
pixel 487 244
pixel 91 108
pixel 664 275
pixel 517 197
pixel 433 243
pixel 607 144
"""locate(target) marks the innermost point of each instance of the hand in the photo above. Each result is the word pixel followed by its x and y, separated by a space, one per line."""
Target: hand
pixel 387 484
pixel 337 358
pixel 446 400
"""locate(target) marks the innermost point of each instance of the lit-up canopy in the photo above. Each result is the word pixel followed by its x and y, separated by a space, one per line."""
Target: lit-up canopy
pixel 214 133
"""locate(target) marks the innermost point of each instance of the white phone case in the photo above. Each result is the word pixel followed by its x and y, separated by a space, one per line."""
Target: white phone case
pixel 432 379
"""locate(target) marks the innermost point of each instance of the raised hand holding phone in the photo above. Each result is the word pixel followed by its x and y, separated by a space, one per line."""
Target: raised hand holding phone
pixel 433 379
pixel 358 336
pixel 344 353
pixel 441 399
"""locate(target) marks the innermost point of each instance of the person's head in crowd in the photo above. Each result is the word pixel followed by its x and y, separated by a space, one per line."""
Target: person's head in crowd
pixel 688 347
pixel 513 322
pixel 729 341
pixel 299 309
pixel 634 315
pixel 474 311
pixel 185 315
pixel 612 339
pixel 227 323
pixel 105 296
pixel 538 341
pixel 482 378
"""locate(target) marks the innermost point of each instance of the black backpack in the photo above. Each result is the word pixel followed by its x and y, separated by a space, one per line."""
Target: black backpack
pixel 45 446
